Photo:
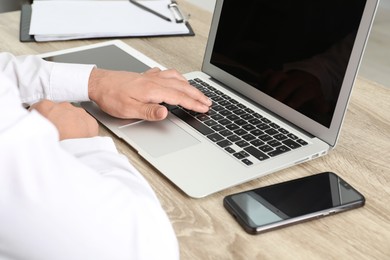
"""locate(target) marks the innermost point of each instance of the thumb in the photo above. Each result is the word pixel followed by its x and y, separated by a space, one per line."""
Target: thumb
pixel 154 112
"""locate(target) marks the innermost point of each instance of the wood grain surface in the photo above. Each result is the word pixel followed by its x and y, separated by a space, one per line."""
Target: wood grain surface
pixel 203 227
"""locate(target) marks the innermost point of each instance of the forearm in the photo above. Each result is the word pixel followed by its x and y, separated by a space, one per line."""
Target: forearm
pixel 39 79
pixel 78 199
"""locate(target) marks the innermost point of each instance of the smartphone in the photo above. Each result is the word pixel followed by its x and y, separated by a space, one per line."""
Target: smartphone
pixel 291 202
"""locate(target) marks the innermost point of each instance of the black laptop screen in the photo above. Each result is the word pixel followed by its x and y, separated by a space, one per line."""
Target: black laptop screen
pixel 294 51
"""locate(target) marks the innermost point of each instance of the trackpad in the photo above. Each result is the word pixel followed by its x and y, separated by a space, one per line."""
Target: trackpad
pixel 159 138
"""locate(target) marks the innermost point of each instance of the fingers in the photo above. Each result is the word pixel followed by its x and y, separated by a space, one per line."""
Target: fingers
pixel 186 96
pixel 153 112
pixel 70 121
pixel 134 95
pixel 43 106
pixel 171 87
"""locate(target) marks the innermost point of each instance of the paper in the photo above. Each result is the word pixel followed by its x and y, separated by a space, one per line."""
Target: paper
pixel 66 20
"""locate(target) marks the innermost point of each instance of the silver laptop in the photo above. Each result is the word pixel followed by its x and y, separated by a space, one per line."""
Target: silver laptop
pixel 280 74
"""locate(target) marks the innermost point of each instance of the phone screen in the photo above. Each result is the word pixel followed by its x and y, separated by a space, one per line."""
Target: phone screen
pixel 293 201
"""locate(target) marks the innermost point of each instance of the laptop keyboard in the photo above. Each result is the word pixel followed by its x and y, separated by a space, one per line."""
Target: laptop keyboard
pixel 245 134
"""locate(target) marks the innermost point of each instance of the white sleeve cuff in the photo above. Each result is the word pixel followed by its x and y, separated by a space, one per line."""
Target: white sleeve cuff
pixel 69 82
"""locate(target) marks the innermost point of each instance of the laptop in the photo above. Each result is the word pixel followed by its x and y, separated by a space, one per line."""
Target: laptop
pixel 280 74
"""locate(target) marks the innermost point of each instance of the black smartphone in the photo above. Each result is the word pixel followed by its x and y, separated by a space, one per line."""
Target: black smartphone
pixel 291 202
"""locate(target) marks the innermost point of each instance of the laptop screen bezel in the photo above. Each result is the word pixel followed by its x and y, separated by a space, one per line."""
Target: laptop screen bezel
pixel 328 135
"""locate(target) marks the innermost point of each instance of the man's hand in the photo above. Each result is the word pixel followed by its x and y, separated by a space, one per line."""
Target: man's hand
pixel 134 95
pixel 71 121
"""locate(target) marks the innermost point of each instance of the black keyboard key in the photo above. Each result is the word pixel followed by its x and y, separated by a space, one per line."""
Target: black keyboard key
pixel 224 103
pixel 203 129
pixel 259 155
pixel 240 132
pixel 272 131
pixel 283 131
pixel 230 150
pixel 266 120
pixel 169 107
pixel 257 132
pixel 248 137
pixel 231 107
pixel 225 112
pixel 217 108
pixel 192 113
pixel 247 162
pixel 211 112
pixel 240 122
pixel 257 115
pixel 257 143
pixel 233 117
pixel 224 121
pixel 266 148
pixel 238 156
pixel 209 94
pixel 210 122
pixel 215 137
pixel 265 138
pixel 224 143
pixel 292 136
pixel 218 128
pixel 279 150
pixel 291 144
pixel 254 121
pixel 203 117
pixel 234 138
pixel 217 117
pixel 274 143
pixel 247 116
pixel 241 154
pixel 217 99
pixel 280 137
pixel 242 143
pixel 225 132
pixel 239 112
pixel 226 97
pixel 302 142
pixel 248 127
pixel 263 126
pixel 232 127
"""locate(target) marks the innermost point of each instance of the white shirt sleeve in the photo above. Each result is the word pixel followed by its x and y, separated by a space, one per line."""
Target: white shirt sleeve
pixel 39 79
pixel 75 199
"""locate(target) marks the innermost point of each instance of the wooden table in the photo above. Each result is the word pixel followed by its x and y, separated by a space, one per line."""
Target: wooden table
pixel 205 230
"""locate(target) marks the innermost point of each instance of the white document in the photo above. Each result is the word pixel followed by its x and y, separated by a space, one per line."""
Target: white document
pixel 66 20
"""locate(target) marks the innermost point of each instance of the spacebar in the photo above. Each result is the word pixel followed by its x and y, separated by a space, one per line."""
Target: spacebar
pixel 192 121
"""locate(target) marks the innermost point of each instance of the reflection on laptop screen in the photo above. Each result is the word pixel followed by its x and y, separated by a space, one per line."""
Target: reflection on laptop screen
pixel 295 51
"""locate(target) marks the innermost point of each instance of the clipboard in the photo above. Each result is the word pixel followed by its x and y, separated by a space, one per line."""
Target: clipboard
pixel 178 17
pixel 25 19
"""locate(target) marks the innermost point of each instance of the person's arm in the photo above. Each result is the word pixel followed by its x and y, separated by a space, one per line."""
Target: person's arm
pixel 119 93
pixel 38 79
pixel 133 95
pixel 75 199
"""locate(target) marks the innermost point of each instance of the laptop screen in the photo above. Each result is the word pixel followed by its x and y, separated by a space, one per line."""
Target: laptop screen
pixel 294 51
